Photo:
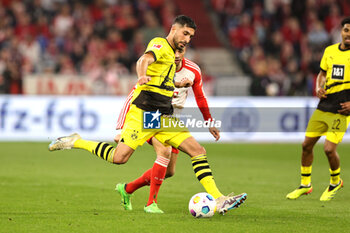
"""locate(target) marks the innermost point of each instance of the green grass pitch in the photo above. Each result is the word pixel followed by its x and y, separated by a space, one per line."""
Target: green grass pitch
pixel 73 191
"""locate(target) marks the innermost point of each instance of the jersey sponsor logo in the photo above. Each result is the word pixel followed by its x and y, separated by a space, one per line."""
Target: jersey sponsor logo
pixel 151 120
pixel 338 72
pixel 157 46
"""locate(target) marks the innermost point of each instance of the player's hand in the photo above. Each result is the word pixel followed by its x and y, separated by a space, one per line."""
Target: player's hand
pixel 321 93
pixel 345 108
pixel 144 79
pixel 117 138
pixel 185 82
pixel 215 132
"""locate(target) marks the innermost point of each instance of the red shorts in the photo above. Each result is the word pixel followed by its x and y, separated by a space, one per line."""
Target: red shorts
pixel 173 149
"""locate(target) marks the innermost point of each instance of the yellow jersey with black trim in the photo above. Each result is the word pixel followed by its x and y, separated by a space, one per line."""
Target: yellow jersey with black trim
pixel 336 63
pixel 158 92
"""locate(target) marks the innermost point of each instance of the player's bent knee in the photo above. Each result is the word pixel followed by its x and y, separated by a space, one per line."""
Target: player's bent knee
pixel 329 151
pixel 307 147
pixel 330 148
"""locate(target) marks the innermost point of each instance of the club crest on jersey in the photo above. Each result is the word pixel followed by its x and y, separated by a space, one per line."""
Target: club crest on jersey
pixel 151 120
pixel 157 46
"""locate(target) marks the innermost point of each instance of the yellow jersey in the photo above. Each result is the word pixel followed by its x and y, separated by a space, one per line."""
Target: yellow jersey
pixel 336 63
pixel 158 92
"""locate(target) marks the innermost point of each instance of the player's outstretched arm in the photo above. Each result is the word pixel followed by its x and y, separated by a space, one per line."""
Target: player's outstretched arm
pixel 141 67
pixel 202 103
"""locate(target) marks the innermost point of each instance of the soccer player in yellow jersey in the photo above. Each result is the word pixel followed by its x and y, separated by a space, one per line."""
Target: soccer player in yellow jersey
pixel 331 118
pixel 154 91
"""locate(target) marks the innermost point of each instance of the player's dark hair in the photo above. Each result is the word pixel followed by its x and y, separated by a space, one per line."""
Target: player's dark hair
pixel 184 20
pixel 345 21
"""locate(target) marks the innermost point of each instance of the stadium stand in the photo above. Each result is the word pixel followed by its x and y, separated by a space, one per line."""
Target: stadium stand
pixel 279 43
pixel 88 38
pixel 276 43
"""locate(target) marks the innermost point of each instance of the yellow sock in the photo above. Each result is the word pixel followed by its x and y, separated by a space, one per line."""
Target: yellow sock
pixel 100 149
pixel 210 186
pixel 203 173
pixel 86 145
pixel 335 176
pixel 305 175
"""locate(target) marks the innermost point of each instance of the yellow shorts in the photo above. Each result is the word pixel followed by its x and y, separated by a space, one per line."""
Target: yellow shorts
pixel 332 125
pixel 134 134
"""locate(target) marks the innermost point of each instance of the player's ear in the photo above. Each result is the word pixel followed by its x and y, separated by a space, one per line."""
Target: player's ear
pixel 174 27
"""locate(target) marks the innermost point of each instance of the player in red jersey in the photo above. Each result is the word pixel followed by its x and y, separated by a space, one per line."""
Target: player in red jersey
pixel 188 74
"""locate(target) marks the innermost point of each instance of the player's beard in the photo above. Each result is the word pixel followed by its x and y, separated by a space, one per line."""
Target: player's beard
pixel 177 44
pixel 347 45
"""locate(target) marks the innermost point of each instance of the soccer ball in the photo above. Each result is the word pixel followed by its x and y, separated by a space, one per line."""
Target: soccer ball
pixel 202 205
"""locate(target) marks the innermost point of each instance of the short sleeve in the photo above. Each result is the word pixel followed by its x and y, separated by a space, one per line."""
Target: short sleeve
pixel 323 64
pixel 156 47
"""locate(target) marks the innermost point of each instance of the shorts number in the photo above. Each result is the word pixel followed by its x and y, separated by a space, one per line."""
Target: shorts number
pixel 336 124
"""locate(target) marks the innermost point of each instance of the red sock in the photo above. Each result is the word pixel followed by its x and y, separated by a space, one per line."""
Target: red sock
pixel 157 177
pixel 143 180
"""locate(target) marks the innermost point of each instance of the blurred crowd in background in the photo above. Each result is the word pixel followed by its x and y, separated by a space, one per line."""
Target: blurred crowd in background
pixel 97 38
pixel 279 43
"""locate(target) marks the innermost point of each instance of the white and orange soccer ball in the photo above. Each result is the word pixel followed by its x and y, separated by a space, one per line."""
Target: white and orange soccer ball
pixel 202 205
